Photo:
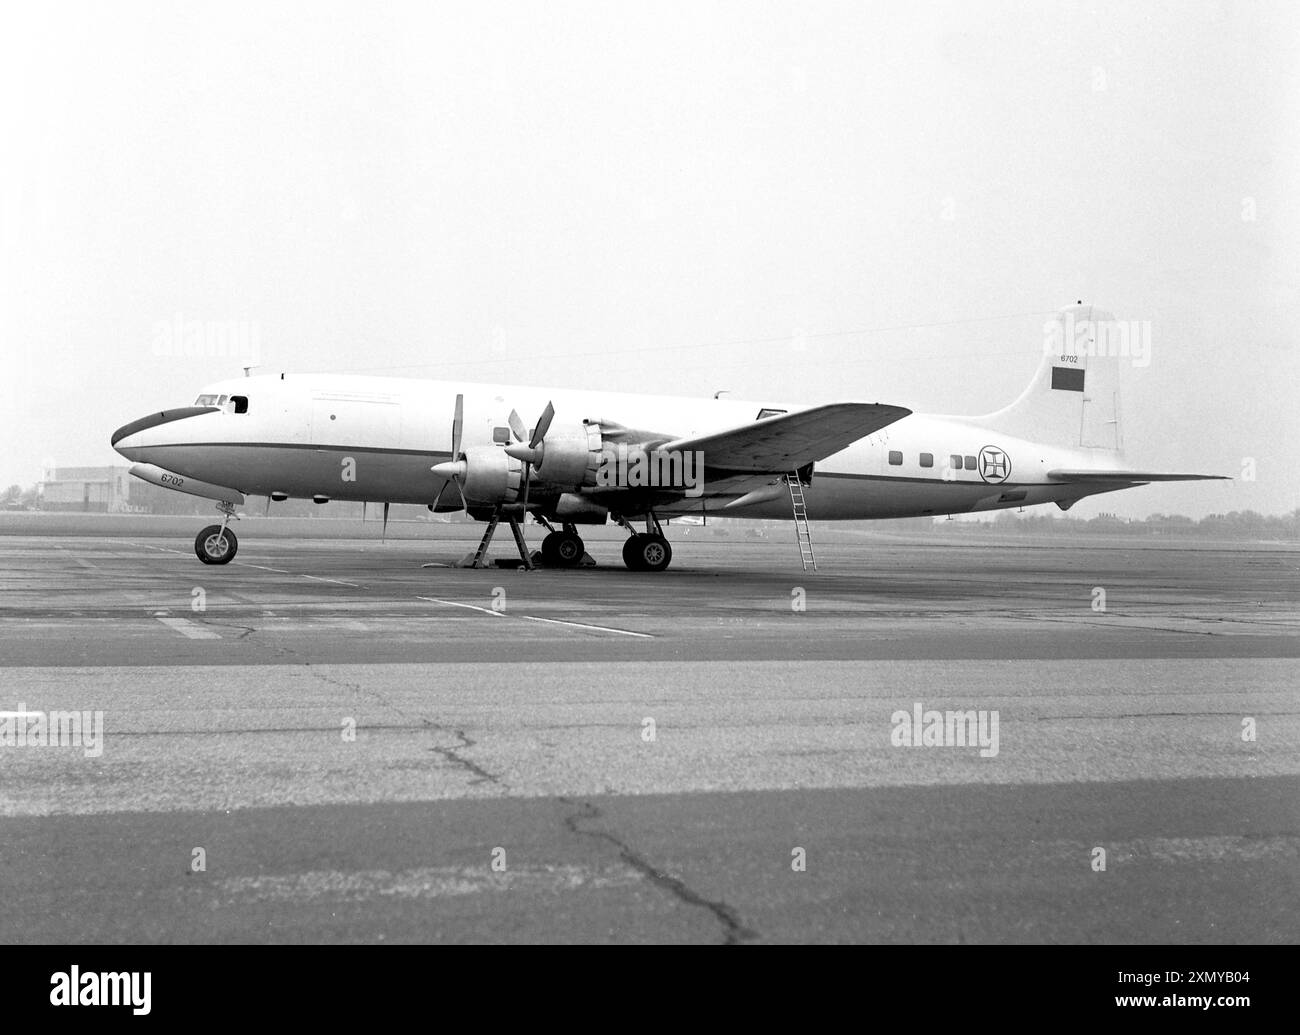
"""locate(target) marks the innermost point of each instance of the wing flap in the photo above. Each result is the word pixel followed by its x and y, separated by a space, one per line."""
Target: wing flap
pixel 789 440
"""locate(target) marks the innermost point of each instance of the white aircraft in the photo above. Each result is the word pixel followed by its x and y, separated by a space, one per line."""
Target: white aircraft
pixel 596 456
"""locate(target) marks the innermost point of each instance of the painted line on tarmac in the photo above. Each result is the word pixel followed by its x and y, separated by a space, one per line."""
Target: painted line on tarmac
pixel 187 628
pixel 472 607
pixel 580 625
pixel 534 618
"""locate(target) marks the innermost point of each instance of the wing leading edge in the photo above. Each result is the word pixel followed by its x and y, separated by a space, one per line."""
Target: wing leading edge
pixel 779 444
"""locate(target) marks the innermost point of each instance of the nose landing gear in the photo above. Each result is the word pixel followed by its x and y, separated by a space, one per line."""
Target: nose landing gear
pixel 217 544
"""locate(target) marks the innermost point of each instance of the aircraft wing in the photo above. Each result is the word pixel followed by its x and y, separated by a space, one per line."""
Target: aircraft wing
pixel 1131 477
pixel 789 440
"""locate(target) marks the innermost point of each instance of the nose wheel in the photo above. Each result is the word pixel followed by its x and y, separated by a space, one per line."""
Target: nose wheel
pixel 216 544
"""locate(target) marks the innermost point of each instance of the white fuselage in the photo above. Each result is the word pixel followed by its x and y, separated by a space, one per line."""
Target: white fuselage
pixel 347 437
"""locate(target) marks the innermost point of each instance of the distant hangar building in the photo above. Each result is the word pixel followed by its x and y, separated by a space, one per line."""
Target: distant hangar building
pixel 90 490
pixel 111 490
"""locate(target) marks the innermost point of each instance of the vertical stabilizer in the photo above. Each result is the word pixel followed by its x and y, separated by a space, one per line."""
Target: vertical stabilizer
pixel 1073 399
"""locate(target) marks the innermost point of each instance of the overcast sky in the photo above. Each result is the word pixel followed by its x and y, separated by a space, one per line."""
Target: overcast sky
pixel 802 202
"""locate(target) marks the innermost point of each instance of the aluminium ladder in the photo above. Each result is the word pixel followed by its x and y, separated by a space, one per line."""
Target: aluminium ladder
pixel 801 530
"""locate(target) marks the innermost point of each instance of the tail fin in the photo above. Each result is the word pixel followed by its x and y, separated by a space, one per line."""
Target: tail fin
pixel 1073 399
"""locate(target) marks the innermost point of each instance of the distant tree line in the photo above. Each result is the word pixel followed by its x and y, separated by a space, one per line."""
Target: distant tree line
pixel 1236 524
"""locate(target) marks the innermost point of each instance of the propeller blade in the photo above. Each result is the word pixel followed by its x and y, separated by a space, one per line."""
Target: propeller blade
pixel 457 426
pixel 517 426
pixel 543 426
pixel 384 537
pixel 438 498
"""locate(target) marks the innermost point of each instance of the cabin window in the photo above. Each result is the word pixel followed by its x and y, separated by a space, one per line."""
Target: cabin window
pixel 501 436
pixel 927 459
pixel 970 463
pixel 895 458
pixel 240 403
pixel 954 461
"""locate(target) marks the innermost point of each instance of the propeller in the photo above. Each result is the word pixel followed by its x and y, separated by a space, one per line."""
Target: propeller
pixel 535 451
pixel 453 470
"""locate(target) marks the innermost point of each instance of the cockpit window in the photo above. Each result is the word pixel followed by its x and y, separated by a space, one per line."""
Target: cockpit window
pixel 221 401
pixel 206 400
pixel 240 403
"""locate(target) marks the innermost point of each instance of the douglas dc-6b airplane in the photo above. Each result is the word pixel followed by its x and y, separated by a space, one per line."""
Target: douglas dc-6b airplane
pixel 594 456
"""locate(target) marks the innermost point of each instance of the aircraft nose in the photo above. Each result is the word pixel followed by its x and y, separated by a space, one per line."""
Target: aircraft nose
pixel 130 437
pixel 124 444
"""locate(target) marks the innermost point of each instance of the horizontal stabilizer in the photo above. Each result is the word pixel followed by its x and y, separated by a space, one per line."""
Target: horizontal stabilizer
pixel 789 440
pixel 1131 477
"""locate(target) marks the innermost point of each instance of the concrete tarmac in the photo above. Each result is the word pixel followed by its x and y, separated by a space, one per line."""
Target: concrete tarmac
pixel 326 741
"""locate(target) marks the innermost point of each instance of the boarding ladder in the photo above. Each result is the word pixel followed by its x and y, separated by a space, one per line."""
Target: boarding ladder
pixel 801 530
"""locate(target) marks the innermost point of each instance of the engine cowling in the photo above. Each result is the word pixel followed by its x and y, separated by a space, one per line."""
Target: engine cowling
pixel 491 476
pixel 569 458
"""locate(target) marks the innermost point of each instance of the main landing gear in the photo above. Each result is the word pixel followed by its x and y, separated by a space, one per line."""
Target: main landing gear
pixel 563 549
pixel 648 550
pixel 217 544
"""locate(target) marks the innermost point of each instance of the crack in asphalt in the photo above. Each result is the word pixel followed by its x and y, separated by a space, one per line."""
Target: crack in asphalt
pixel 734 929
pixel 451 754
pixel 454 756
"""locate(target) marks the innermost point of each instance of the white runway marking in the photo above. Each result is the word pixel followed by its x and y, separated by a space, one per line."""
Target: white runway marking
pixel 187 628
pixel 278 571
pixel 534 618
pixel 339 582
pixel 472 607
pixel 580 625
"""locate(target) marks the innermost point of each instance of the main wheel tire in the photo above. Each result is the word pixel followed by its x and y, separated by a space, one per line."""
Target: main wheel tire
pixel 548 549
pixel 643 552
pixel 562 550
pixel 213 546
pixel 569 549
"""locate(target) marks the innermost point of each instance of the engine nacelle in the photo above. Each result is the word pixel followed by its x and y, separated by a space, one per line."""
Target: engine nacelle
pixel 491 476
pixel 569 458
pixel 579 510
